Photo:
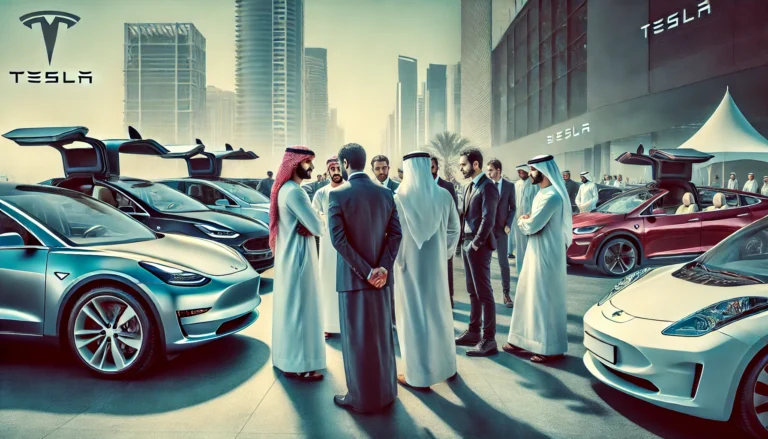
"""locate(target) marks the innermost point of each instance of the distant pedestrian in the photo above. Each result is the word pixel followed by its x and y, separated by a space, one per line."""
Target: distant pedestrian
pixel 573 189
pixel 586 199
pixel 265 185
pixel 732 182
pixel 505 216
pixel 764 190
pixel 751 184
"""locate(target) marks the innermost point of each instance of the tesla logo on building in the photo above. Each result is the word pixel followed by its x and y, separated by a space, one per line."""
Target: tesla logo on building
pixel 50 29
pixel 674 20
pixel 568 133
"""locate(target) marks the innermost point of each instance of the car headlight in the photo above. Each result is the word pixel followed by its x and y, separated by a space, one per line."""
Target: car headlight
pixel 624 283
pixel 174 276
pixel 586 230
pixel 716 316
pixel 215 232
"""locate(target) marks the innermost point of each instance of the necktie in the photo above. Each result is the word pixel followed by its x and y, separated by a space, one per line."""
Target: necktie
pixel 469 195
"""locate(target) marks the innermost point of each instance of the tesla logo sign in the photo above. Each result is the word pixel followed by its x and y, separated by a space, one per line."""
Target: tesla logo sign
pixel 50 22
pixel 676 19
pixel 568 133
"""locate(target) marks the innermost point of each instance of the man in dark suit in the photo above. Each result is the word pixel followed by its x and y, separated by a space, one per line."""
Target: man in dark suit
pixel 573 189
pixel 505 215
pixel 449 187
pixel 265 185
pixel 365 230
pixel 481 200
pixel 380 168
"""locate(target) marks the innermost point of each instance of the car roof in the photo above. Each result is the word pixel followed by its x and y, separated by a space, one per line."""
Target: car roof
pixel 9 189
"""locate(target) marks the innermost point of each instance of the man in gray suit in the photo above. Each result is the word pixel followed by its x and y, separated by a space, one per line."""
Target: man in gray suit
pixel 505 214
pixel 380 168
pixel 365 230
pixel 449 187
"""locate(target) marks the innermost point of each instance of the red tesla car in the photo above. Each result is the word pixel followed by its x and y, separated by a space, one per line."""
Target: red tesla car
pixel 661 222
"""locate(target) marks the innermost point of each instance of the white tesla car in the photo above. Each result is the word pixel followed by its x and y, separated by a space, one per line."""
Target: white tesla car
pixel 691 338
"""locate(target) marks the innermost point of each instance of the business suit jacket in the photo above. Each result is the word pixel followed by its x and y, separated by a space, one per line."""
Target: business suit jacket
pixel 505 211
pixel 480 207
pixel 365 231
pixel 393 185
pixel 449 187
pixel 312 188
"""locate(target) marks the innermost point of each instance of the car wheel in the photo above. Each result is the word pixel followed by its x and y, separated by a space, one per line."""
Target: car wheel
pixel 751 408
pixel 618 257
pixel 111 333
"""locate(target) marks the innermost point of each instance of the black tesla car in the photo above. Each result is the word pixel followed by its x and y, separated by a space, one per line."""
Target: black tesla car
pixel 93 167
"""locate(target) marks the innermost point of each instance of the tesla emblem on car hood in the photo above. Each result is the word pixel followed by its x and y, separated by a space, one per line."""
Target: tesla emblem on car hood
pixel 617 313
pixel 61 275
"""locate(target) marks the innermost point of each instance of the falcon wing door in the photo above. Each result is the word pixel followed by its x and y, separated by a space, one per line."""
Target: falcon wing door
pixel 80 154
pixel 667 164
pixel 209 164
pixel 138 146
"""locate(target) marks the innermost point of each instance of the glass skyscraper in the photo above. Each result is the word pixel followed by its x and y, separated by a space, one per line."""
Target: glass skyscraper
pixel 269 74
pixel 408 91
pixel 164 74
pixel 476 72
pixel 437 115
pixel 316 60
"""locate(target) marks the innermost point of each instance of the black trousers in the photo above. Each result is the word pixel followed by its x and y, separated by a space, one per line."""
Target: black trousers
pixel 450 275
pixel 477 265
pixel 502 249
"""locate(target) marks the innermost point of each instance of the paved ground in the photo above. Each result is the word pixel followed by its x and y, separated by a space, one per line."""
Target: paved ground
pixel 229 389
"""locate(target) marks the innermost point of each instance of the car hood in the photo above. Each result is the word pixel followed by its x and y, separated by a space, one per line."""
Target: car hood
pixel 593 219
pixel 200 255
pixel 660 296
pixel 239 223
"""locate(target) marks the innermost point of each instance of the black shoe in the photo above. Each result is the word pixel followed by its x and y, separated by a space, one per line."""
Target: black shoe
pixel 508 301
pixel 468 338
pixel 341 401
pixel 510 256
pixel 483 349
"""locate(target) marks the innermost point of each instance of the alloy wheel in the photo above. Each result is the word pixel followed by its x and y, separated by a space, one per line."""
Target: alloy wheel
pixel 620 257
pixel 108 334
pixel 760 397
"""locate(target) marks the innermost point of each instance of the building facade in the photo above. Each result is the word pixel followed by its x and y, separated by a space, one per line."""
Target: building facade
pixel 269 74
pixel 165 81
pixel 453 98
pixel 476 72
pixel 437 89
pixel 422 115
pixel 408 91
pixel 316 61
pixel 335 133
pixel 586 80
pixel 220 117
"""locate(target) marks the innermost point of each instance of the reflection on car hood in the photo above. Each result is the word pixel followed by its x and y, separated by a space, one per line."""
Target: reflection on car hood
pixel 592 218
pixel 200 255
pixel 239 223
pixel 660 296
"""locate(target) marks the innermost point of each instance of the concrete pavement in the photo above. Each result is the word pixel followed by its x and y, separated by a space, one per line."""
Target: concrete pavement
pixel 228 389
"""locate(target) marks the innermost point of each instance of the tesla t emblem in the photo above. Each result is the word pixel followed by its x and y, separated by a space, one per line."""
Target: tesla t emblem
pixel 61 275
pixel 617 313
pixel 50 30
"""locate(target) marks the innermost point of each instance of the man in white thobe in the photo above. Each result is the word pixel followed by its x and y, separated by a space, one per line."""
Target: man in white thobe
pixel 586 199
pixel 539 319
pixel 764 190
pixel 524 193
pixel 751 184
pixel 732 182
pixel 620 183
pixel 328 254
pixel 431 229
pixel 298 349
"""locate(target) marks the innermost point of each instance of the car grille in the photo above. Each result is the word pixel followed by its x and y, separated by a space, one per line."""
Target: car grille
pixel 639 382
pixel 256 244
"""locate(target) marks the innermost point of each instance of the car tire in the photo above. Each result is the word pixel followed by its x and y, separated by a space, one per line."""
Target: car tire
pixel 139 347
pixel 744 413
pixel 618 257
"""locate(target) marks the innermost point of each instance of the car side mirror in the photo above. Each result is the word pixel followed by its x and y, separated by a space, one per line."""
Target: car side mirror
pixel 659 211
pixel 222 202
pixel 128 209
pixel 11 240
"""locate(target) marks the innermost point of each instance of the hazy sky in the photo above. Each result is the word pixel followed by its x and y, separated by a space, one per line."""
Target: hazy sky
pixel 363 38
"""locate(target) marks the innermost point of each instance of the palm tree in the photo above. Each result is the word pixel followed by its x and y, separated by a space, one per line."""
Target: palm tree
pixel 447 147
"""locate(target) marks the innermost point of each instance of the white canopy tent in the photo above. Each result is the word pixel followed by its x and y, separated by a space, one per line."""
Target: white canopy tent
pixel 729 137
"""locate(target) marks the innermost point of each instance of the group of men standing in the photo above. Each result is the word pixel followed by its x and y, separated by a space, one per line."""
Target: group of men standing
pixel 751 184
pixel 379 239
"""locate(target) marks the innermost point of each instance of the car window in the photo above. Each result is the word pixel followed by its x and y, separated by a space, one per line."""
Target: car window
pixel 744 252
pixel 626 203
pixel 161 197
pixel 749 201
pixel 9 225
pixel 243 192
pixel 706 196
pixel 78 218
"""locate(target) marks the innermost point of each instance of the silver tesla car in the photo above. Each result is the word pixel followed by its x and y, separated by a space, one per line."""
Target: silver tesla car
pixel 114 292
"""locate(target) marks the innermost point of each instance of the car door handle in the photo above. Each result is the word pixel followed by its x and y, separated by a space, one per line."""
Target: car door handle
pixel 741 215
pixel 693 220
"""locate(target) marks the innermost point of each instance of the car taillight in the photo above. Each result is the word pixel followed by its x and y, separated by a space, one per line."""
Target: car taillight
pixel 192 312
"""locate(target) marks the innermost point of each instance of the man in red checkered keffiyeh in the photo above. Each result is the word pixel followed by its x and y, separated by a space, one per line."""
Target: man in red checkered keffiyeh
pixel 298 348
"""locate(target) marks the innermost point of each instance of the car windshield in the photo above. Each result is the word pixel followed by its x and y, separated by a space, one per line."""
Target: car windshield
pixel 745 253
pixel 625 203
pixel 242 192
pixel 79 219
pixel 161 197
